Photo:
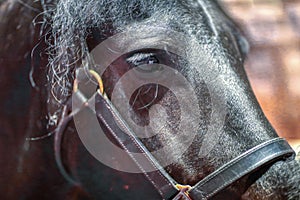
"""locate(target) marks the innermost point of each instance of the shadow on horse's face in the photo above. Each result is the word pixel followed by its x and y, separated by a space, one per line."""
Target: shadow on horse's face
pixel 195 102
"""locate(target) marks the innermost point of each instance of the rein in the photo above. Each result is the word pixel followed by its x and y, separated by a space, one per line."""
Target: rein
pixel 264 154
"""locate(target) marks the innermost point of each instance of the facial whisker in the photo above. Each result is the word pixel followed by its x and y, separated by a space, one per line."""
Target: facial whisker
pixel 136 96
pixel 155 96
pixel 149 88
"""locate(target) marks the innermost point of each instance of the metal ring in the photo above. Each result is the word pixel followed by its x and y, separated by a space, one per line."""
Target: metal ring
pixel 98 79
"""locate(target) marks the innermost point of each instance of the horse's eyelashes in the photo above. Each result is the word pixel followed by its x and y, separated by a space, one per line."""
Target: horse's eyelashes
pixel 142 59
pixel 144 62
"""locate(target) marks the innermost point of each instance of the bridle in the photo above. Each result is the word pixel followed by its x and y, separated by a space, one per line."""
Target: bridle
pixel 262 155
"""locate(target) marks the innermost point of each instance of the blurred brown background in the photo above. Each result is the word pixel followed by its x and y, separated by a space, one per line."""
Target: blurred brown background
pixel 272 28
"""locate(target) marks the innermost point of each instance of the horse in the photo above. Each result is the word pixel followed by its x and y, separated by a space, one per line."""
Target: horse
pixel 191 44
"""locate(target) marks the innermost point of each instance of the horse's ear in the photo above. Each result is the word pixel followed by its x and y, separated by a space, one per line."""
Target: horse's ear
pixel 224 22
pixel 242 43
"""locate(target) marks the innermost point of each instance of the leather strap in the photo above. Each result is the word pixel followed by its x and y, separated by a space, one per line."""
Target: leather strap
pixel 263 154
pixel 109 117
pixel 248 162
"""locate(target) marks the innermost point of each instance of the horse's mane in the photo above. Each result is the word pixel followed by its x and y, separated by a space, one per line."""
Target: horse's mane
pixel 67 26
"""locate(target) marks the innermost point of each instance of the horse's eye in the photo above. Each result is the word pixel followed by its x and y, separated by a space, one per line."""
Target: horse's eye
pixel 144 62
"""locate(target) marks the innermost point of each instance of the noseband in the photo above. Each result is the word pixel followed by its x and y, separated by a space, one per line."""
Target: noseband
pixel 262 155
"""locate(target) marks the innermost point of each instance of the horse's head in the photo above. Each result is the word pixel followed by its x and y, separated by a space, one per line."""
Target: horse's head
pixel 174 70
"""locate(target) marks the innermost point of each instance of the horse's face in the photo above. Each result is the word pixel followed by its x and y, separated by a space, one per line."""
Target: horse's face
pixel 194 87
pixel 213 105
